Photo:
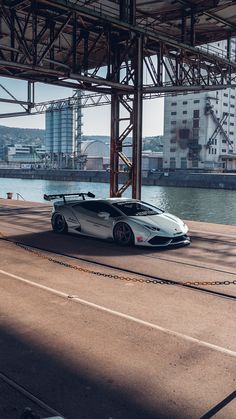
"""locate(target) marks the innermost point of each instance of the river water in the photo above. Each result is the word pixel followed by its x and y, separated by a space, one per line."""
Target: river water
pixel 210 205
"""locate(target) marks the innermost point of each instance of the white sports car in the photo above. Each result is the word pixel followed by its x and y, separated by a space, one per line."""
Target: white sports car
pixel 126 221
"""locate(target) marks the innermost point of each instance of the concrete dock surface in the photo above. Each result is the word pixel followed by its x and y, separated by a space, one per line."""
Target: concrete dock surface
pixel 87 330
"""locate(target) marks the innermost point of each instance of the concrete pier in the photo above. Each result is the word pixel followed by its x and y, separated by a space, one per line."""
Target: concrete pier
pixel 86 333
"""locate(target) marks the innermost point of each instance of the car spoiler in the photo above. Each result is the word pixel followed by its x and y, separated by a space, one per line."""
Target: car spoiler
pixel 64 195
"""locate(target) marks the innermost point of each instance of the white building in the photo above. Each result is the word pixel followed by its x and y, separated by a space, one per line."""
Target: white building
pixel 200 128
pixel 24 153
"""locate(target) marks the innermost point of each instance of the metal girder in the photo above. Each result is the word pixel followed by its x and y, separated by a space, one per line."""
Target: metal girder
pixel 10 98
pixel 61 42
pixel 105 47
pixel 126 118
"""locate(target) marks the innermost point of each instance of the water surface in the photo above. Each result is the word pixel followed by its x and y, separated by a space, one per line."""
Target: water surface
pixel 210 205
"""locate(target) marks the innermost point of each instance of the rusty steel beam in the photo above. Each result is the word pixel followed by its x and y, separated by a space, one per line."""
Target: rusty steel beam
pixel 74 44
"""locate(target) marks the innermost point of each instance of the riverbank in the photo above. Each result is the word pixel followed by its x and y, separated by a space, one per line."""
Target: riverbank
pixel 181 178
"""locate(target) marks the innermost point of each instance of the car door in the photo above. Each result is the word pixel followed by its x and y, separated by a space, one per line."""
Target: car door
pixel 96 218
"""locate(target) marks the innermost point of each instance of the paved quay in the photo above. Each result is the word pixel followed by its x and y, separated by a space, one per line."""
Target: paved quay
pixel 86 333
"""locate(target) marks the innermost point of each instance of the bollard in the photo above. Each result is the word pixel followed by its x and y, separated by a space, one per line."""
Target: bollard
pixel 9 195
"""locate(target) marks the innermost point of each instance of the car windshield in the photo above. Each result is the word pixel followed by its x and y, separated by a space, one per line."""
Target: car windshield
pixel 132 208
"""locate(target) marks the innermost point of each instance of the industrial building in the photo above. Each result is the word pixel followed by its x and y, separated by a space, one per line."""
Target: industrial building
pixel 199 128
pixel 22 156
pixel 63 133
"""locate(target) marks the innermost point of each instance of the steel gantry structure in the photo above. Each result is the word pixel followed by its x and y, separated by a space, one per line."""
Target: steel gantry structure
pixel 104 47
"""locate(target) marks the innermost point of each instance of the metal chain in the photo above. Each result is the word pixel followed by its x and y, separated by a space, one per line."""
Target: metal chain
pixel 114 276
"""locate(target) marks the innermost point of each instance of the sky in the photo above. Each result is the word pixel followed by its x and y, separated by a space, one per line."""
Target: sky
pixel 96 120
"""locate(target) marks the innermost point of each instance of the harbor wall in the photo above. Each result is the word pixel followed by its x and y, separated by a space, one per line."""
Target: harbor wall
pixel 177 178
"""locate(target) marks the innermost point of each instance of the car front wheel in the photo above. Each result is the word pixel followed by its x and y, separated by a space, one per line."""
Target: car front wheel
pixel 59 224
pixel 123 234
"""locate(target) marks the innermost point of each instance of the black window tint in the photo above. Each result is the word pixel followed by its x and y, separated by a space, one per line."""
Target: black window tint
pixel 97 207
pixel 136 208
pixel 90 206
pixel 103 207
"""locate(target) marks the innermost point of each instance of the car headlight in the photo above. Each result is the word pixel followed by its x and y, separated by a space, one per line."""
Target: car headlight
pixel 152 228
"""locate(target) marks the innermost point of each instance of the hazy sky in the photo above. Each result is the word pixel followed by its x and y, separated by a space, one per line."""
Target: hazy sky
pixel 96 120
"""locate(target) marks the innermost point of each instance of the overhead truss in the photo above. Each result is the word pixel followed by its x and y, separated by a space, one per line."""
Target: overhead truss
pixel 107 46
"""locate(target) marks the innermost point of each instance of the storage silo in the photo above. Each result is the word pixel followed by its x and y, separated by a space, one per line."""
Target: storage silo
pixel 63 131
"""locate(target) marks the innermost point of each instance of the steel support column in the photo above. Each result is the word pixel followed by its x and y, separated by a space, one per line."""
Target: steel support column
pixel 114 156
pixel 137 121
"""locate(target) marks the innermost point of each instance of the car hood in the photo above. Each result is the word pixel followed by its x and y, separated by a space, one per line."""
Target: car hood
pixel 165 221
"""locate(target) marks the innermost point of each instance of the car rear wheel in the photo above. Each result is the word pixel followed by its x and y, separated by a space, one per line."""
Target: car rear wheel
pixel 59 224
pixel 123 234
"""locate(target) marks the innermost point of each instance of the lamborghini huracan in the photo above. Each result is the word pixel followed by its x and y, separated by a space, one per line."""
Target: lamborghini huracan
pixel 126 221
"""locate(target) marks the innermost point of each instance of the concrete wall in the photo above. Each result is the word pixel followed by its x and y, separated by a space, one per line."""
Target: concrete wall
pixel 178 178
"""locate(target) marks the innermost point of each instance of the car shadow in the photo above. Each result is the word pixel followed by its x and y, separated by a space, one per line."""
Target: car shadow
pixel 72 243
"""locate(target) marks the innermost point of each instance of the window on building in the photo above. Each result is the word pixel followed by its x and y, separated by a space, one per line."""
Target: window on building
pixel 225 94
pixel 185 112
pixel 231 124
pixel 231 133
pixel 232 96
pixel 173 113
pixel 172 163
pixel 196 123
pixel 172 149
pixel 183 163
pixel 232 106
pixel 225 123
pixel 184 121
pixel 223 150
pixel 225 104
pixel 196 101
pixel 173 140
pixel 196 113
pixel 184 133
pixel 223 141
pixel 232 115
pixel 173 103
pixel 185 102
pixel 173 122
pixel 195 133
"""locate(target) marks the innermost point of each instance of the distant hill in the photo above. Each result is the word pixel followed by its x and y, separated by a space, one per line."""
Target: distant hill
pixel 9 135
pixel 104 138
pixel 153 143
pixel 34 136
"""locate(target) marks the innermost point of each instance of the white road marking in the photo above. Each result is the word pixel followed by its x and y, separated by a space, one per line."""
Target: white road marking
pixel 123 316
pixel 29 395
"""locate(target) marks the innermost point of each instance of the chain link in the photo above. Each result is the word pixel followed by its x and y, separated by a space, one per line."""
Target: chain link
pixel 115 276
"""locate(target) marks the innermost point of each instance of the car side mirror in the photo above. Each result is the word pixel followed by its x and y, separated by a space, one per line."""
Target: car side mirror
pixel 104 214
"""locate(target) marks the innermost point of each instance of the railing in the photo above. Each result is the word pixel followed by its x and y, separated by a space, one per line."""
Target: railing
pixel 18 196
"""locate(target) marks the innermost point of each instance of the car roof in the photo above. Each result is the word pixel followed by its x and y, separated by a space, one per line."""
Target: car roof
pixel 104 200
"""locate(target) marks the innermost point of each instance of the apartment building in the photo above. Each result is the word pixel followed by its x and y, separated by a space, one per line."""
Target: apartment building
pixel 200 128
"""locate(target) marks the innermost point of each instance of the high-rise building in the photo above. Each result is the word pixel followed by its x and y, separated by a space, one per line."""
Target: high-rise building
pixel 200 128
pixel 63 132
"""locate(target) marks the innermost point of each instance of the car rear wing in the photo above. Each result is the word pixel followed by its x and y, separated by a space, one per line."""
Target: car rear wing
pixel 64 195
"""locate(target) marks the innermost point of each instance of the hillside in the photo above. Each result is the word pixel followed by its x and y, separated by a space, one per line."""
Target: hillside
pixel 34 136
pixel 9 135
